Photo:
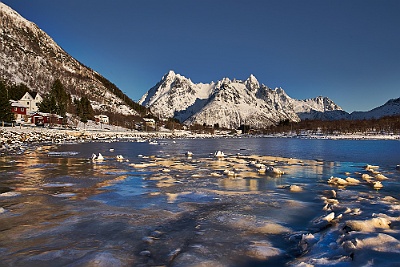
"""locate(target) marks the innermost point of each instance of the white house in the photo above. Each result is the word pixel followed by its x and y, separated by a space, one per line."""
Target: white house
pixel 102 119
pixel 30 102
pixel 149 122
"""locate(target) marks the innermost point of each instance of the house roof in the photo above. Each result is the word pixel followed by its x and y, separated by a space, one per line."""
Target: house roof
pixel 17 104
pixel 31 96
pixel 27 95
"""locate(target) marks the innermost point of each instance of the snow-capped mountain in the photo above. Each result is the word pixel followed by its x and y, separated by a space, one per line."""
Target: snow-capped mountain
pixel 390 108
pixel 321 108
pixel 28 55
pixel 231 103
pixel 228 103
pixel 176 94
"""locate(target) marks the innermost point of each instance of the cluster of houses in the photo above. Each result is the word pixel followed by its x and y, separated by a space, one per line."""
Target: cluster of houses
pixel 26 111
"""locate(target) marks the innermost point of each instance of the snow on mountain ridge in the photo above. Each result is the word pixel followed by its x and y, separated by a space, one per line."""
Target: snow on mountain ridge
pixel 319 103
pixel 17 18
pixel 390 108
pixel 29 55
pixel 228 103
pixel 252 83
pixel 173 94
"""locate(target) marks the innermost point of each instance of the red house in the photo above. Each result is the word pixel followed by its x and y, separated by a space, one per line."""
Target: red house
pixel 18 110
pixel 39 118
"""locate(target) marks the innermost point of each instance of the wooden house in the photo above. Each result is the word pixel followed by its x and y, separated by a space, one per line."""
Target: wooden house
pixel 39 118
pixel 19 110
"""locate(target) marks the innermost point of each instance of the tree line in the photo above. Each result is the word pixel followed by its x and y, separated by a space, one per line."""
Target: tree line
pixel 387 125
pixel 5 105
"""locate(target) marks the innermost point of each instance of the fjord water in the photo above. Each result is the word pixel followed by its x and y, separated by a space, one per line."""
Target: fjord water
pixel 59 208
pixel 380 152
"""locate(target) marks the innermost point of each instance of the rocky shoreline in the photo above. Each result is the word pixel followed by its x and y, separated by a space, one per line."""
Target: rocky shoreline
pixel 16 140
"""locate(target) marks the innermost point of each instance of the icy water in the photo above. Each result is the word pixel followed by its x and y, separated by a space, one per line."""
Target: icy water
pixel 157 207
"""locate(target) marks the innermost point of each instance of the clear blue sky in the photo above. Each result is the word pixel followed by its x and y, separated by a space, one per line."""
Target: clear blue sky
pixel 344 49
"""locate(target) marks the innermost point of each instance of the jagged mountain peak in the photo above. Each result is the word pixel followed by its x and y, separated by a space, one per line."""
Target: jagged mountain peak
pixel 227 102
pixel 279 90
pixel 171 73
pixel 169 76
pixel 252 83
pixel 172 77
pixel 230 103
pixel 319 107
pixel 225 80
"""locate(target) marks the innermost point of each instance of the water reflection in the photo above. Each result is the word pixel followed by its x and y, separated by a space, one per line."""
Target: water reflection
pixel 156 210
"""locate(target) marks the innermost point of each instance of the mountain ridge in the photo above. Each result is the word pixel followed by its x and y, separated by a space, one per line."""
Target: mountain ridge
pixel 390 108
pixel 227 103
pixel 231 103
pixel 30 56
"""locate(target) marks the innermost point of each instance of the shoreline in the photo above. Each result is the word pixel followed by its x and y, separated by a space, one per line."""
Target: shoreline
pixel 19 139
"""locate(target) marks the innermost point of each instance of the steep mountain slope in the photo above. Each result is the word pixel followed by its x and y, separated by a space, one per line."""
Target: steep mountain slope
pixel 390 108
pixel 175 94
pixel 28 55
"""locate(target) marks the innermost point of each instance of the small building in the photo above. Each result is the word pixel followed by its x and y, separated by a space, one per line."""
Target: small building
pixel 19 111
pixel 39 118
pixel 149 122
pixel 102 119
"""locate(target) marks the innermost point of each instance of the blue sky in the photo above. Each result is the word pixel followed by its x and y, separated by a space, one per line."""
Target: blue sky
pixel 345 49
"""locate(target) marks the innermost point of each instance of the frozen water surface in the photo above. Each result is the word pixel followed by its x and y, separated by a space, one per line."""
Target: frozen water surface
pixel 60 208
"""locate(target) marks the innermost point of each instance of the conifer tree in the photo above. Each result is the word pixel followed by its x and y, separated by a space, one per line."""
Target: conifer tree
pixel 5 105
pixel 56 101
pixel 48 104
pixel 84 109
pixel 61 97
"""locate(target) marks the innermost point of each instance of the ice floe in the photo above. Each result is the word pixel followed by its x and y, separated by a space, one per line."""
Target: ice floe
pixel 97 158
pixel 219 154
pixel 120 157
pixel 370 225
pixel 10 194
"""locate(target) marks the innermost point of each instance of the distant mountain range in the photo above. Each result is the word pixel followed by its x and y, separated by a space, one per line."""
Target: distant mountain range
pixel 390 108
pixel 29 56
pixel 231 103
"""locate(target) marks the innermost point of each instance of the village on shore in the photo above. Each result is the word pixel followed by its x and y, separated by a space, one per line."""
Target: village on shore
pixel 32 128
pixel 17 139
